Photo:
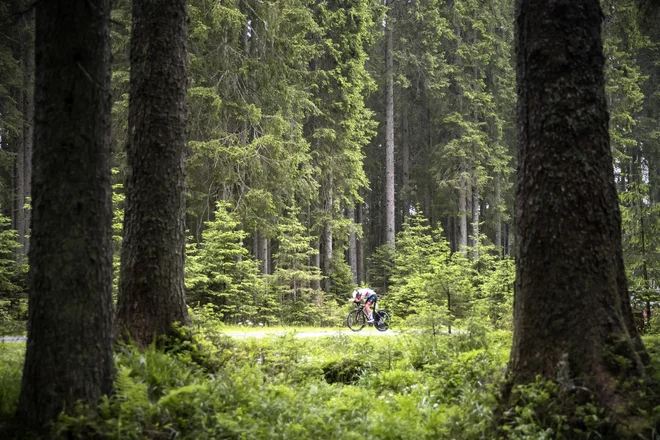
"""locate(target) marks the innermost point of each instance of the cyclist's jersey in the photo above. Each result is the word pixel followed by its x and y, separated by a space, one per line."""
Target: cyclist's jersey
pixel 363 294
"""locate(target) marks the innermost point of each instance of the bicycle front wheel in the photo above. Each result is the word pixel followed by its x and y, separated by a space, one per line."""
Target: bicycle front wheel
pixel 356 320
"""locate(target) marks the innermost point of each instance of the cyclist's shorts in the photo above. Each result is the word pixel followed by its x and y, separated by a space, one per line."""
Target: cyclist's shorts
pixel 371 299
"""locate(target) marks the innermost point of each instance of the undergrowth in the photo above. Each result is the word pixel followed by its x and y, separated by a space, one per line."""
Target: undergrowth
pixel 205 385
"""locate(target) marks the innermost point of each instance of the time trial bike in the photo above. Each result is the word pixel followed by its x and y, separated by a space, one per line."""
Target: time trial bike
pixel 357 319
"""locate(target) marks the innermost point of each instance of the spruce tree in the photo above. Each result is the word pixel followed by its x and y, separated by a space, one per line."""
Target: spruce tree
pixel 572 307
pixel 151 288
pixel 69 356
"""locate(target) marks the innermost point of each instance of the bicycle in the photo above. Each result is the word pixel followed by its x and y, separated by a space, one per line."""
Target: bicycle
pixel 357 319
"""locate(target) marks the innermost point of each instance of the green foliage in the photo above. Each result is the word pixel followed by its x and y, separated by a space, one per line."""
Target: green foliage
pixel 542 410
pixel 346 371
pixel 11 365
pixel 433 287
pixel 207 385
pixel 381 264
pixel 222 272
pixel 281 387
pixel 293 275
pixel 118 199
pixel 13 283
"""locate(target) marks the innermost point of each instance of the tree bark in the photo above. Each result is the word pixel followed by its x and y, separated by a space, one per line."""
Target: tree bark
pixel 498 214
pixel 571 309
pixel 361 276
pixel 151 290
pixel 462 213
pixel 352 243
pixel 389 139
pixel 28 132
pixel 255 245
pixel 405 168
pixel 469 212
pixel 327 256
pixel 316 262
pixel 328 194
pixel 25 140
pixel 20 183
pixel 476 210
pixel 264 255
pixel 69 349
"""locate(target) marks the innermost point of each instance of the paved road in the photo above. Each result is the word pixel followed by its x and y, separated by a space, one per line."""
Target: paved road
pixel 259 335
pixel 317 334
pixel 13 339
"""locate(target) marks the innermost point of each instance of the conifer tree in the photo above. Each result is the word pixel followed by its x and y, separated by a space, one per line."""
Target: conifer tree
pixel 572 305
pixel 151 287
pixel 225 274
pixel 69 357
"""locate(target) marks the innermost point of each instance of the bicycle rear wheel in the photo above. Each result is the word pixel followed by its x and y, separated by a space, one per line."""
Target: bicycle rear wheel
pixel 356 320
pixel 383 322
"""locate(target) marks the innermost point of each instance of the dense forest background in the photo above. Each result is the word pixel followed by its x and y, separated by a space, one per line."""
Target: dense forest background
pixel 342 143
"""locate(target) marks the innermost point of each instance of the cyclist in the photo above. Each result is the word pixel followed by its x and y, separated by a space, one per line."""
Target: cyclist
pixel 369 297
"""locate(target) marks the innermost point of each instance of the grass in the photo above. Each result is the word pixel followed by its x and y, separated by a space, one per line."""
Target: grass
pixel 12 355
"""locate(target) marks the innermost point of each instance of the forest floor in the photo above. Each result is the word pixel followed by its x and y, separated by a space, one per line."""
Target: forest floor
pixel 249 333
pixel 265 385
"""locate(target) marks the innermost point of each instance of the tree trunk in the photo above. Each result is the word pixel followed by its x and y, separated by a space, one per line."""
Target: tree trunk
pixel 255 245
pixel 20 183
pixel 69 349
pixel 476 210
pixel 361 276
pixel 352 242
pixel 469 212
pixel 151 291
pixel 316 262
pixel 264 255
pixel 498 213
pixel 405 169
pixel 25 140
pixel 28 132
pixel 328 195
pixel 462 213
pixel 327 256
pixel 572 312
pixel 389 140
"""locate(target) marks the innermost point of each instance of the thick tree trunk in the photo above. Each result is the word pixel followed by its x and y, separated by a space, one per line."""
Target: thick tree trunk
pixel 69 349
pixel 572 311
pixel 151 291
pixel 389 140
pixel 352 243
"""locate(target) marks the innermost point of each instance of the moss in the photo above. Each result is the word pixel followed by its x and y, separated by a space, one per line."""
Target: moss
pixel 620 357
